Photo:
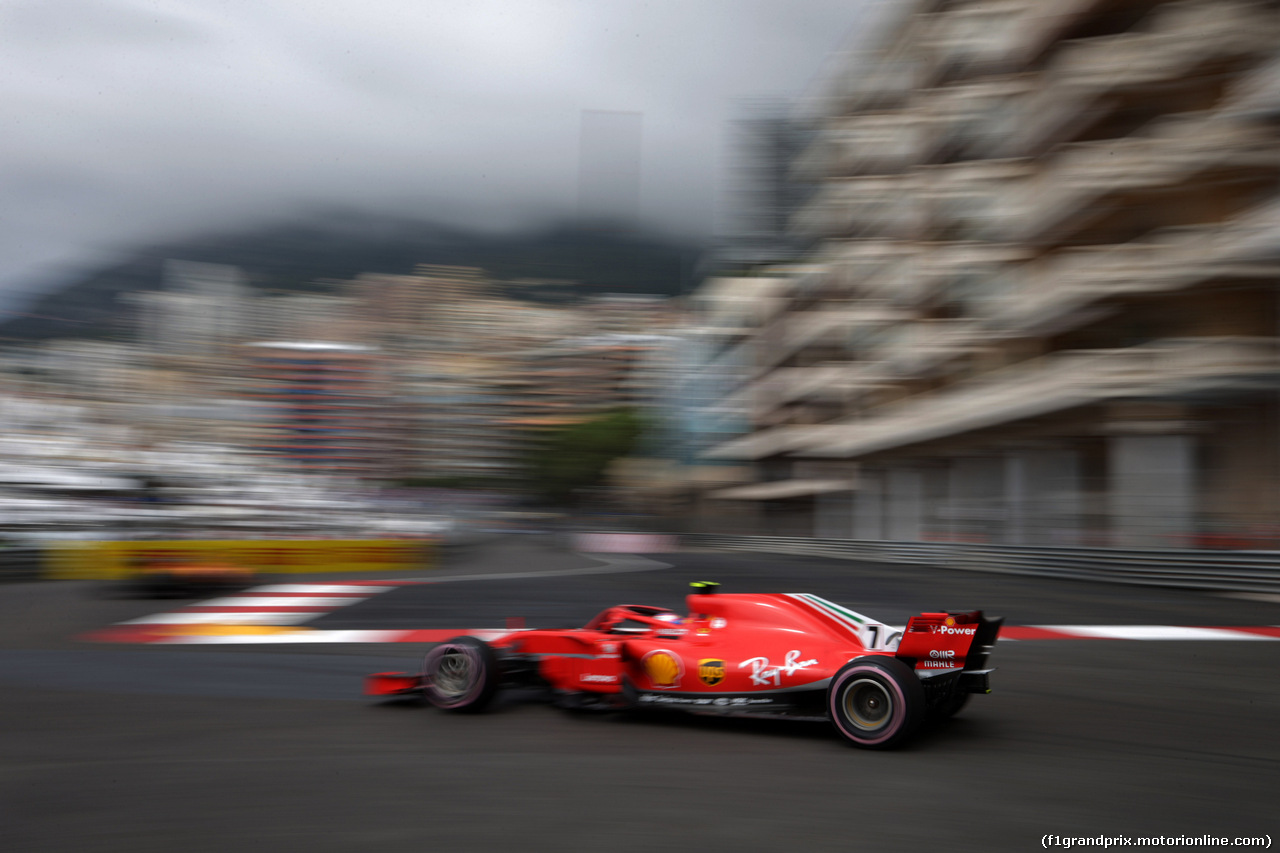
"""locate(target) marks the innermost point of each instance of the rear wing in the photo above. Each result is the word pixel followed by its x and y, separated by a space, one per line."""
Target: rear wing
pixel 936 644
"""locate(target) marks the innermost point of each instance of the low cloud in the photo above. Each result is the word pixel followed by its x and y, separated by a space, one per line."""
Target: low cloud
pixel 131 121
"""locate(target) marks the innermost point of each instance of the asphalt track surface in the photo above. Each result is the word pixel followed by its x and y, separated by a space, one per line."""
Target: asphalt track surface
pixel 247 748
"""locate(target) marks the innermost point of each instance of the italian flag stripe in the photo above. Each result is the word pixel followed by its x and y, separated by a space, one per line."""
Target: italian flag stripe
pixel 835 608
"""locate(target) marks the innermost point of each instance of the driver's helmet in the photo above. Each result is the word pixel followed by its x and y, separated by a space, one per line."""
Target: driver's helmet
pixel 669 617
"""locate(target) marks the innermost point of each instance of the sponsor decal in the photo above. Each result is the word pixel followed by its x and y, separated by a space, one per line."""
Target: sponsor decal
pixel 941 653
pixel 711 671
pixel 716 623
pixel 947 629
pixel 937 664
pixel 719 701
pixel 950 621
pixel 609 648
pixel 764 673
pixel 598 679
pixel 663 668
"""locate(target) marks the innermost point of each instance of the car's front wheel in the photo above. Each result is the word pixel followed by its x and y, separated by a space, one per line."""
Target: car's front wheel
pixel 461 674
pixel 875 702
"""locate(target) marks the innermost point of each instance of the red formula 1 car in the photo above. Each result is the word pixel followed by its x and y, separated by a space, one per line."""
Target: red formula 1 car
pixel 790 655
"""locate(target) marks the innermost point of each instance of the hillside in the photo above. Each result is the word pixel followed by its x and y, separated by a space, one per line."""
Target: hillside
pixel 309 255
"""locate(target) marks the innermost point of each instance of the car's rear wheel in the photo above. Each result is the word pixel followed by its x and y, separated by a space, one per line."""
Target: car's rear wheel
pixel 461 674
pixel 875 702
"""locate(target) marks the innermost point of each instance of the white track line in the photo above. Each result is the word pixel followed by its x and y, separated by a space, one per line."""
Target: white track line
pixel 330 601
pixel 215 618
pixel 322 588
pixel 288 638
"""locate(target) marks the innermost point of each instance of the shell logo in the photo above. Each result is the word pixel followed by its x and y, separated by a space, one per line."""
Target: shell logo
pixel 950 622
pixel 663 668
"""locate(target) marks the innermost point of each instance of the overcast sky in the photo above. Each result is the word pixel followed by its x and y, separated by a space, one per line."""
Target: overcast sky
pixel 126 121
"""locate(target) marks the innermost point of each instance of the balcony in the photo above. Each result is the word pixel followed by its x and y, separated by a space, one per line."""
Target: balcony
pixel 1173 259
pixel 1256 97
pixel 879 143
pixel 783 489
pixel 1180 41
pixel 877 81
pixel 1174 152
pixel 853 206
pixel 1164 369
pixel 830 382
pixel 972 39
pixel 855 262
pixel 951 270
pixel 973 121
pixel 1046 23
pixel 803 329
pixel 918 348
pixel 972 200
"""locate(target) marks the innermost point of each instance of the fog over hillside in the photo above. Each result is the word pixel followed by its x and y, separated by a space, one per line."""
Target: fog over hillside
pixel 555 263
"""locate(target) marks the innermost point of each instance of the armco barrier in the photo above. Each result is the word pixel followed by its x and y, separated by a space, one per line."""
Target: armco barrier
pixel 20 563
pixel 1223 571
pixel 114 560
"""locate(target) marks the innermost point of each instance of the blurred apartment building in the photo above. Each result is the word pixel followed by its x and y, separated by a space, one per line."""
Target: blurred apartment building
pixel 1046 306
pixel 436 374
pixel 697 379
pixel 459 350
pixel 574 378
pixel 325 407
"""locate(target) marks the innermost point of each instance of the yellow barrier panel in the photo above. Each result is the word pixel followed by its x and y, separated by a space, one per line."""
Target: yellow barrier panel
pixel 116 560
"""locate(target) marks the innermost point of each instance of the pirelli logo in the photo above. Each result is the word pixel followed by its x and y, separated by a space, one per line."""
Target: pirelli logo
pixel 711 672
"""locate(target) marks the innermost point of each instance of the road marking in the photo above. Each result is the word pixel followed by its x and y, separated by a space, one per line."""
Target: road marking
pixel 320 588
pixel 278 605
pixel 223 618
pixel 244 614
pixel 324 602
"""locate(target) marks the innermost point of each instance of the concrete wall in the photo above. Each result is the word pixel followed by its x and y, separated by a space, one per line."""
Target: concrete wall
pixel 1151 493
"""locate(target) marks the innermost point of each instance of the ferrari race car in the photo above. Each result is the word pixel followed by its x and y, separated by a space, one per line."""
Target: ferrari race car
pixel 789 655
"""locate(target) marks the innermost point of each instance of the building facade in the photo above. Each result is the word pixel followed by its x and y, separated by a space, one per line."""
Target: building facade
pixel 1047 312
pixel 325 407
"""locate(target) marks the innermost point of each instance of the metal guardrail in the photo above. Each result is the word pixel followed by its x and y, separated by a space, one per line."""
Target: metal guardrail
pixel 21 563
pixel 1222 571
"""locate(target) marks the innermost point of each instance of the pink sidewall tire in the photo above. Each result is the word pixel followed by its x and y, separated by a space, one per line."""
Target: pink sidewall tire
pixel 461 675
pixel 876 702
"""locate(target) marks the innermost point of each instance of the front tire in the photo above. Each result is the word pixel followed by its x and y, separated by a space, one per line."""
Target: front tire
pixel 461 674
pixel 875 702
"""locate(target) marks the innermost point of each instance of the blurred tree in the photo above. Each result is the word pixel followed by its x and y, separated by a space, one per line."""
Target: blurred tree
pixel 566 461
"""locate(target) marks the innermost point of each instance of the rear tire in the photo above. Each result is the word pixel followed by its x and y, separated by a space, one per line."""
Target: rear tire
pixel 875 702
pixel 461 674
